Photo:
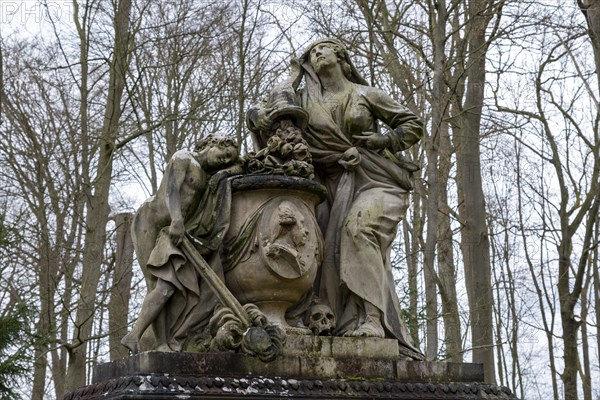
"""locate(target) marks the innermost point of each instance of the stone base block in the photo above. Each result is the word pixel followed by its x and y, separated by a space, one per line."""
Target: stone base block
pixel 311 368
pixel 297 367
pixel 329 346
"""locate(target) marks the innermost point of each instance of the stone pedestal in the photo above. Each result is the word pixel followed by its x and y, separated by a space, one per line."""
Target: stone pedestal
pixel 311 368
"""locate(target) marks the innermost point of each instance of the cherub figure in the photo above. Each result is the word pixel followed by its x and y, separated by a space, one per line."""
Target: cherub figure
pixel 186 201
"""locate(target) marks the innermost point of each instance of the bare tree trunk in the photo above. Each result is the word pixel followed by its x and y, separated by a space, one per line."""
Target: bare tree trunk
pixel 474 235
pixel 445 257
pixel 596 278
pixel 413 237
pixel 46 288
pixel 446 267
pixel 98 207
pixel 591 11
pixel 585 370
pixel 432 146
pixel 570 292
pixel 46 274
pixel 411 240
pixel 496 265
pixel 570 325
pixel 120 293
pixel 517 375
pixel 242 49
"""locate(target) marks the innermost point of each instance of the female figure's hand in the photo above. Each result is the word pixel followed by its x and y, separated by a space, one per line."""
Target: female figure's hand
pixel 263 122
pixel 372 140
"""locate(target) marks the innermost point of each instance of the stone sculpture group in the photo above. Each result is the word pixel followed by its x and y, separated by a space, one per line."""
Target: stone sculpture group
pixel 294 238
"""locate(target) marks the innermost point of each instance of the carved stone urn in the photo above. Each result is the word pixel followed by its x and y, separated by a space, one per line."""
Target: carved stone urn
pixel 274 245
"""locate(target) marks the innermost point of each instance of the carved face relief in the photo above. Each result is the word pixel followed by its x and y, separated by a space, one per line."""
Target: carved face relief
pixel 321 56
pixel 300 235
pixel 288 238
pixel 320 320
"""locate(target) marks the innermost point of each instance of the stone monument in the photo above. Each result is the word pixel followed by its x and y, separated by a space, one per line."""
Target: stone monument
pixel 269 275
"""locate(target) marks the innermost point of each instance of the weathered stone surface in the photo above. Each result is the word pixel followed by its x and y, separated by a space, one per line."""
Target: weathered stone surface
pixel 273 247
pixel 330 346
pixel 254 182
pixel 309 366
pixel 150 387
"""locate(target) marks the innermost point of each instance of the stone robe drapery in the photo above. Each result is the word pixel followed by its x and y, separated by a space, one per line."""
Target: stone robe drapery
pixel 193 301
pixel 367 198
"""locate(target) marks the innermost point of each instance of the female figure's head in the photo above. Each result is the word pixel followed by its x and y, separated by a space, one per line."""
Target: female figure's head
pixel 324 53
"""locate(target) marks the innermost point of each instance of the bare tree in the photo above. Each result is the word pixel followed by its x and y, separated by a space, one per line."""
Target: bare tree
pixel 474 233
pixel 97 207
pixel 570 156
pixel 118 307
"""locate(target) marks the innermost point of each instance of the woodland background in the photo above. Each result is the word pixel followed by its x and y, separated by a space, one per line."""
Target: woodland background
pixel 497 261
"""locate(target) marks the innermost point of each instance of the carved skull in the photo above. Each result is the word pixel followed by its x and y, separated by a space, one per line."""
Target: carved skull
pixel 320 320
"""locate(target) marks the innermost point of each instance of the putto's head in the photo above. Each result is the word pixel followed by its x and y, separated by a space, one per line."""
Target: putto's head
pixel 215 140
pixel 216 151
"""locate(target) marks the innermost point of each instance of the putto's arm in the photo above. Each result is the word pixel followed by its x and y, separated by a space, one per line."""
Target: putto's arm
pixel 175 176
